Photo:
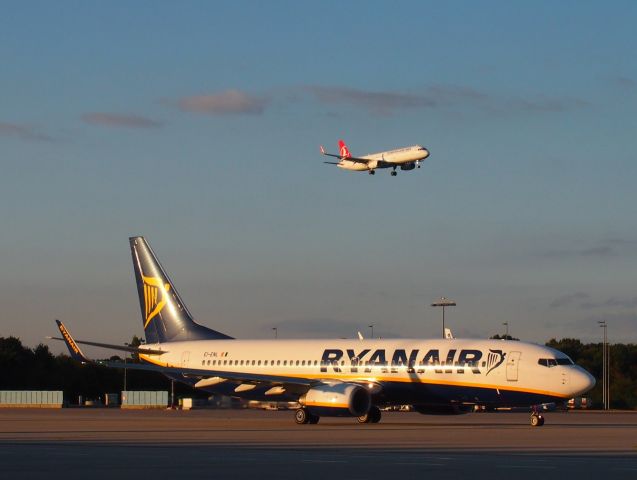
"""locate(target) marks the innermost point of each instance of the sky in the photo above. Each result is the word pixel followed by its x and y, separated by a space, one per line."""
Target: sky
pixel 198 125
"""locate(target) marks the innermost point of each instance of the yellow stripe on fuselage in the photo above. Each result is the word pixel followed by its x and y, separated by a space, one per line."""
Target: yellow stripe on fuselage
pixel 366 379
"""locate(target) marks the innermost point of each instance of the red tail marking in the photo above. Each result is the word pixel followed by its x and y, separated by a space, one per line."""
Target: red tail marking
pixel 344 151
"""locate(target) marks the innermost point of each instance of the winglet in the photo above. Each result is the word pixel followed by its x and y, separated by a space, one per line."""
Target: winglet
pixel 322 150
pixel 74 350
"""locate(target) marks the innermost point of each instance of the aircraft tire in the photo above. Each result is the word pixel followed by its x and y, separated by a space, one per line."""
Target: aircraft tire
pixel 372 416
pixel 301 416
pixel 537 420
pixel 393 174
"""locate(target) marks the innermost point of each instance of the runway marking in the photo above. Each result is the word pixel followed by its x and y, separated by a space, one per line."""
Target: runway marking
pixel 324 461
pixel 544 467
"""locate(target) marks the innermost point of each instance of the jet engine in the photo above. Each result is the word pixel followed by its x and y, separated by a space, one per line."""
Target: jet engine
pixel 408 166
pixel 337 400
pixel 442 409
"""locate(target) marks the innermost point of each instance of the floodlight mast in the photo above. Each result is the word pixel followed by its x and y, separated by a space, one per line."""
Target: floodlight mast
pixel 443 302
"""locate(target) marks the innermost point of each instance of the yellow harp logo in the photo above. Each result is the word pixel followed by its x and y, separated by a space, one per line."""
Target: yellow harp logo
pixel 154 297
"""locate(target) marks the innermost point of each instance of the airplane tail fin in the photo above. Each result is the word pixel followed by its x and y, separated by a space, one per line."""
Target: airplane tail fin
pixel 344 151
pixel 164 314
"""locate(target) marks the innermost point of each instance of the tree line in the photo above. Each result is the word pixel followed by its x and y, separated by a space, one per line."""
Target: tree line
pixel 23 368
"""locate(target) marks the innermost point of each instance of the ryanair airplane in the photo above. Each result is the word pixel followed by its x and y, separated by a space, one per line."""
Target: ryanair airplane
pixel 354 378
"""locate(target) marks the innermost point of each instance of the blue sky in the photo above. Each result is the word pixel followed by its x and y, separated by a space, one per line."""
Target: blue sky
pixel 197 124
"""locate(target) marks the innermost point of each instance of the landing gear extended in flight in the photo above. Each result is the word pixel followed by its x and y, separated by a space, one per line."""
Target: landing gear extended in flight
pixel 372 172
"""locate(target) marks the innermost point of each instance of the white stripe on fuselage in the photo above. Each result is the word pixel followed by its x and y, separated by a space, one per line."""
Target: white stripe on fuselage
pixel 447 362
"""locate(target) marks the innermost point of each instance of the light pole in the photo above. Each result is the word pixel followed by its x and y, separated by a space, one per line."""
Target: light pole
pixel 125 369
pixel 276 332
pixel 443 302
pixel 605 365
pixel 372 327
pixel 506 325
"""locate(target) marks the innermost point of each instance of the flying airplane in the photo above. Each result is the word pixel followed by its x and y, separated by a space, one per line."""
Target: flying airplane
pixel 407 158
pixel 354 378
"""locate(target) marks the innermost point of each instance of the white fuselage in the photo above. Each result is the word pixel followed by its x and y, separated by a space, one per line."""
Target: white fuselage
pixel 388 159
pixel 474 371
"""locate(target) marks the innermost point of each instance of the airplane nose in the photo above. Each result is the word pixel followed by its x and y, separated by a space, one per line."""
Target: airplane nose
pixel 581 381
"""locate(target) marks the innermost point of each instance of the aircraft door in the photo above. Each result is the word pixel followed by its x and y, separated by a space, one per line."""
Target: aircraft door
pixel 513 359
pixel 185 357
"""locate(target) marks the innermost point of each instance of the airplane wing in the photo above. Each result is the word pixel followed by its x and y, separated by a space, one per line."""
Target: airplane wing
pixel 351 159
pixel 70 341
pixel 223 374
pixel 242 377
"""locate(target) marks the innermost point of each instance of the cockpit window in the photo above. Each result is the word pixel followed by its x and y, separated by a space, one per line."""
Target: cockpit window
pixel 552 362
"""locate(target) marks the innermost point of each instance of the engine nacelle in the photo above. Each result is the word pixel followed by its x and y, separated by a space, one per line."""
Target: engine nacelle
pixel 337 400
pixel 408 166
pixel 443 409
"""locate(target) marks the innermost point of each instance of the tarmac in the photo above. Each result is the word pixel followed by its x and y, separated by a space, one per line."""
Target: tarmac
pixel 237 444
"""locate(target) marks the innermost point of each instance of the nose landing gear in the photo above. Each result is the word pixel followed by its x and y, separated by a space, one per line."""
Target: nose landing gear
pixel 537 419
pixel 372 172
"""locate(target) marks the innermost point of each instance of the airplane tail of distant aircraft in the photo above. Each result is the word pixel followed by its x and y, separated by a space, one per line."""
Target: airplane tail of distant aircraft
pixel 164 314
pixel 344 151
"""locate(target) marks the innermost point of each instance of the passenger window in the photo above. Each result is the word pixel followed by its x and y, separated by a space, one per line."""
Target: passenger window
pixel 297 363
pixel 253 362
pixel 278 362
pixel 259 362
pixel 285 362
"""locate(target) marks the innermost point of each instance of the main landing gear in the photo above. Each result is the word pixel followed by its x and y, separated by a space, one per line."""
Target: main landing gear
pixel 302 416
pixel 372 172
pixel 372 416
pixel 394 172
